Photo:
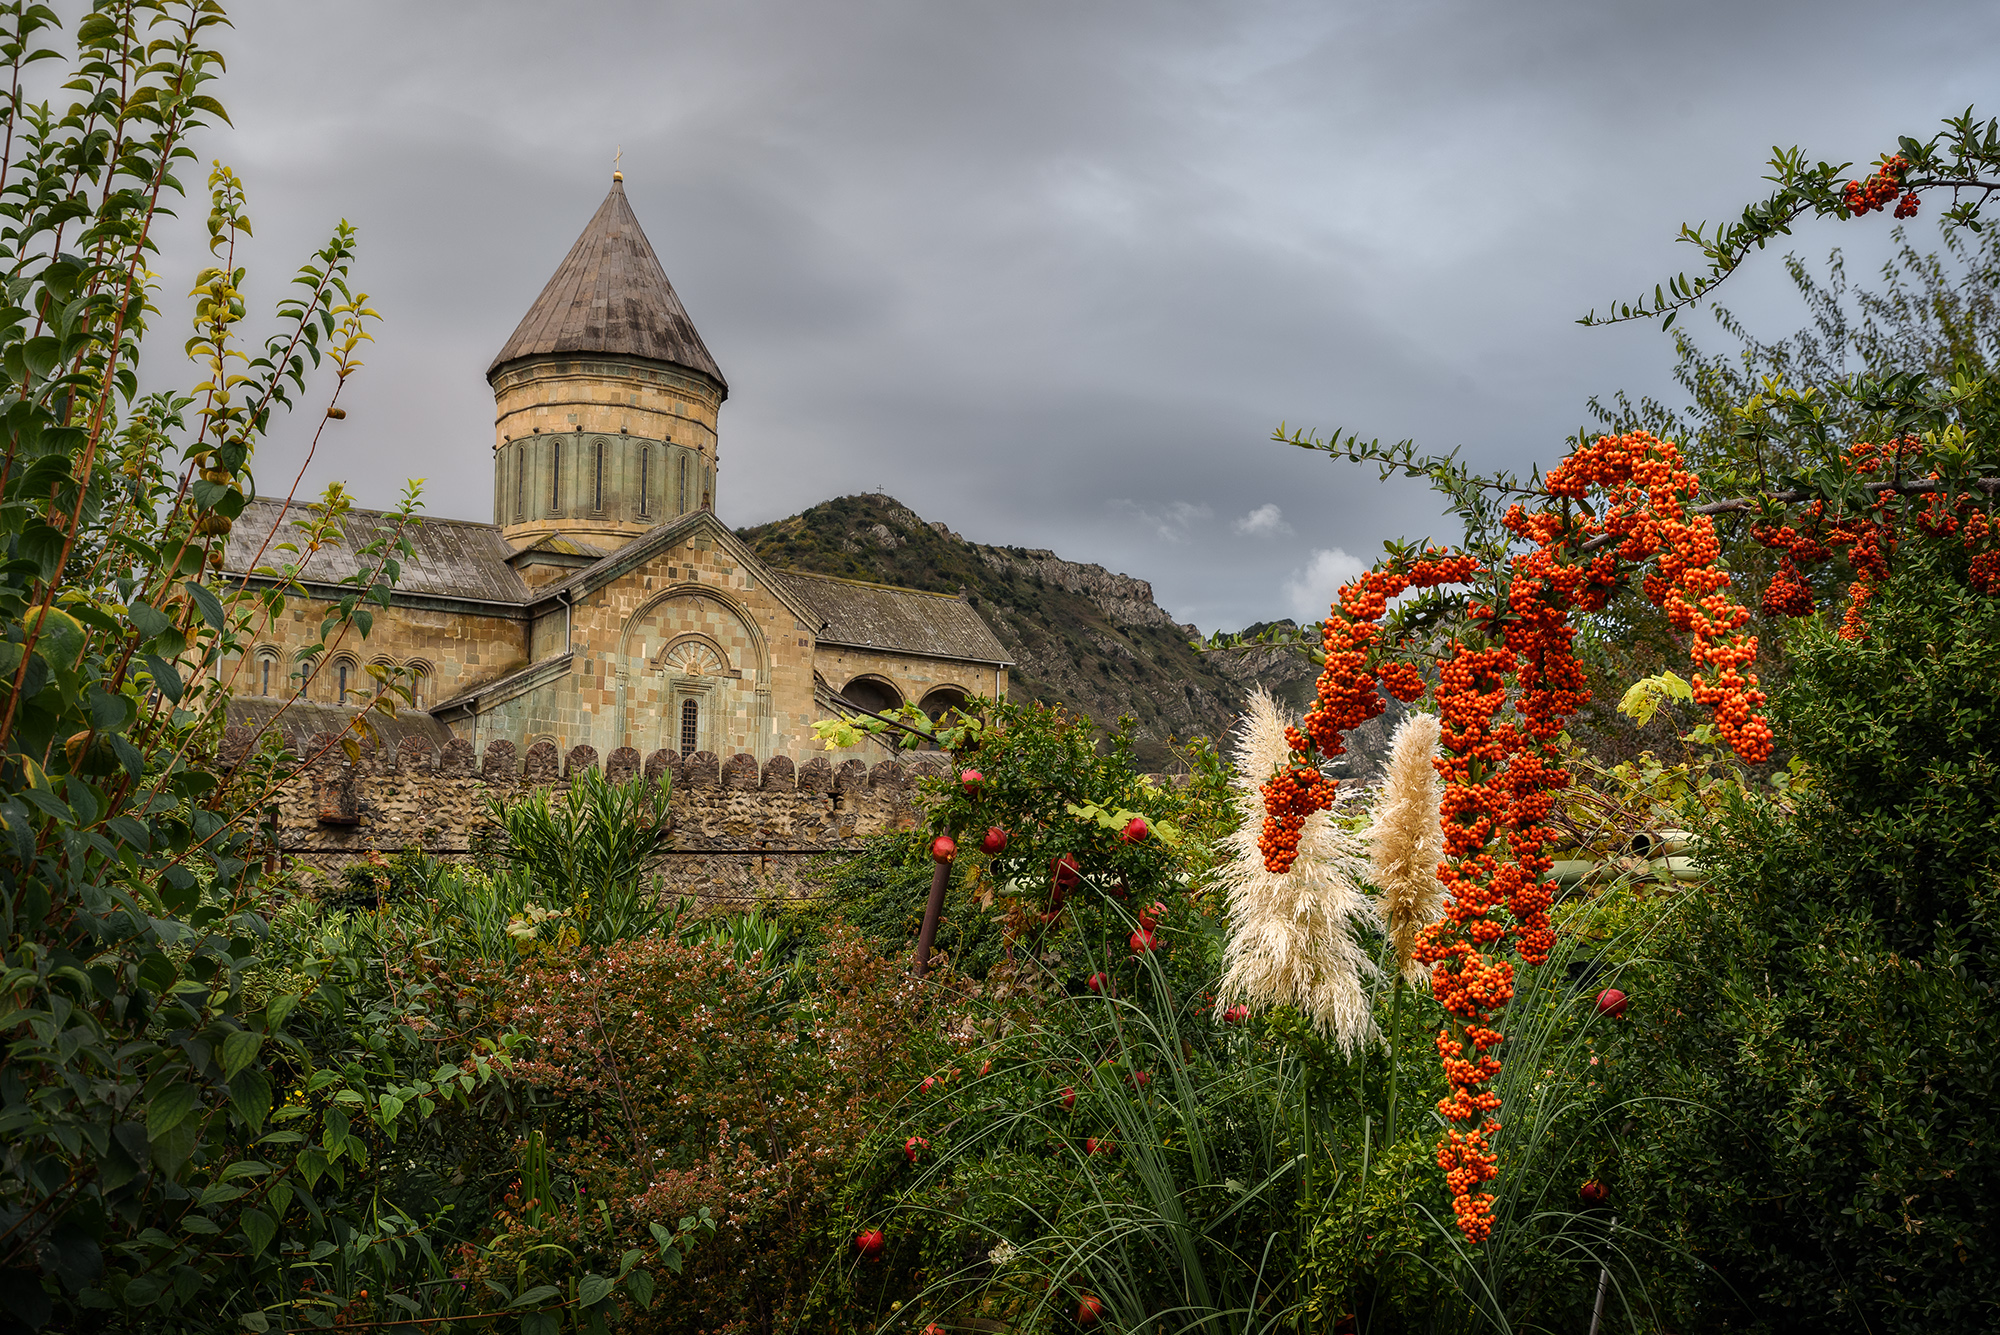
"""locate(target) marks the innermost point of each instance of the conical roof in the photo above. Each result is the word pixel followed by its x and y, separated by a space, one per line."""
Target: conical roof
pixel 610 296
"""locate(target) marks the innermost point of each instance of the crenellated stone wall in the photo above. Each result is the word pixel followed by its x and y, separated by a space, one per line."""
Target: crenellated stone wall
pixel 741 833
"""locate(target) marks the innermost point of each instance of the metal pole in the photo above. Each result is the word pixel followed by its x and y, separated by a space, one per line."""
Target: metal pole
pixel 932 912
pixel 1603 1283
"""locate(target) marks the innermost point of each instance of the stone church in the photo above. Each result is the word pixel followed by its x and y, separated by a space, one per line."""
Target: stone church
pixel 605 604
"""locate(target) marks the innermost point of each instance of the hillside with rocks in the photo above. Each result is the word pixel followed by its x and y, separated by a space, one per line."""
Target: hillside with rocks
pixel 1082 637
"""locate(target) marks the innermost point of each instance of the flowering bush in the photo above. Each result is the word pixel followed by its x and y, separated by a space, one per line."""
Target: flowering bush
pixel 666 1078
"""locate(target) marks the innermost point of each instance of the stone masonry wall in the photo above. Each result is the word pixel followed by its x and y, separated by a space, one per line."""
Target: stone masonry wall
pixel 740 835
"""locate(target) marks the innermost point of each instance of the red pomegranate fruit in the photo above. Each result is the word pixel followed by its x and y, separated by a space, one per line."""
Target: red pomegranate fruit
pixel 869 1243
pixel 1611 1002
pixel 944 848
pixel 1089 1308
pixel 1135 830
pixel 1593 1192
pixel 995 842
pixel 970 781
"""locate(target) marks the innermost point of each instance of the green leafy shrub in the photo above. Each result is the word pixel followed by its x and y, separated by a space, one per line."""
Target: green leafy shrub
pixel 666 1077
pixel 1821 1032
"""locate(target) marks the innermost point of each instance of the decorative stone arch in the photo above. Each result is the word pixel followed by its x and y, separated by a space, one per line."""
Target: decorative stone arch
pixel 419 677
pixel 872 691
pixel 760 652
pixel 692 655
pixel 695 670
pixel 344 677
pixel 938 699
pixel 267 669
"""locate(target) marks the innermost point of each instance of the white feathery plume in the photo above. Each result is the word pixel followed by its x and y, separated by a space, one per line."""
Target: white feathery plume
pixel 1292 936
pixel 1406 839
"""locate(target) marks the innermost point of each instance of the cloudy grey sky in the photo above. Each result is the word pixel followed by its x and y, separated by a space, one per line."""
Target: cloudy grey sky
pixel 1052 270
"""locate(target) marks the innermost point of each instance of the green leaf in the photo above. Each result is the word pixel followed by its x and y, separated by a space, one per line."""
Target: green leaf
pixel 260 1228
pixel 206 603
pixel 220 1193
pixel 640 1285
pixel 593 1290
pixel 541 1293
pixel 255 1321
pixel 239 1049
pixel 169 1108
pixel 250 1094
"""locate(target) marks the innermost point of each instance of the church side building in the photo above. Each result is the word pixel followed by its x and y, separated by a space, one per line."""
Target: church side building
pixel 605 604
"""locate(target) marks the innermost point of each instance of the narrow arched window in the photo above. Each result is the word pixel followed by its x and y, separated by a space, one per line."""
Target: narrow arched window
pixel 690 726
pixel 520 483
pixel 555 477
pixel 343 684
pixel 684 484
pixel 265 665
pixel 598 483
pixel 645 475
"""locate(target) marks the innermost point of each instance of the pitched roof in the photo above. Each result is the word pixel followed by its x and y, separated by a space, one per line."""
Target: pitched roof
pixel 610 296
pixel 640 550
pixel 299 721
pixel 454 558
pixel 880 616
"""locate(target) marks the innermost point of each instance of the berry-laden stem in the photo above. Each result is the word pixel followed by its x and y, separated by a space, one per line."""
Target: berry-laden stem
pixel 1504 692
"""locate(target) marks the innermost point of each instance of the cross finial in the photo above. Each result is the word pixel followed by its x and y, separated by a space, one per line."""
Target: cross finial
pixel 616 159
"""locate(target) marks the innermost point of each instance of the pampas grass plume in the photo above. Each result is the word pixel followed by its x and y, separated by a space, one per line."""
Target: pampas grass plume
pixel 1292 936
pixel 1406 839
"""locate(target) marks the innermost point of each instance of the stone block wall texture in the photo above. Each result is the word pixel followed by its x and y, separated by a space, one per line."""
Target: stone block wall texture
pixel 742 833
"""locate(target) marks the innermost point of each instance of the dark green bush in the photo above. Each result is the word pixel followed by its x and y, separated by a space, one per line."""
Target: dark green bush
pixel 1821 1030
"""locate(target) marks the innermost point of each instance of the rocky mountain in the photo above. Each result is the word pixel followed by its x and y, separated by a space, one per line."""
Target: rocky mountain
pixel 1082 636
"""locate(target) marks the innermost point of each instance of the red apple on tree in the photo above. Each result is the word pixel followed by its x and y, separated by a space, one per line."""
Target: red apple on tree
pixel 944 848
pixel 995 841
pixel 1088 1309
pixel 869 1243
pixel 1135 830
pixel 1142 941
pixel 1611 1002
pixel 1098 982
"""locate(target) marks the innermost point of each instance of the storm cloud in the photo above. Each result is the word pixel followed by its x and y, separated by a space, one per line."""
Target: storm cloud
pixel 1053 272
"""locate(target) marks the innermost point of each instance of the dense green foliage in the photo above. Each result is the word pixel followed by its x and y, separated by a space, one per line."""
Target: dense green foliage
pixel 1820 1033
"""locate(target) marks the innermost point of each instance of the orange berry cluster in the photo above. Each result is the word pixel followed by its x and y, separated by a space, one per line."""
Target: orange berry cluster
pixel 1503 704
pixel 1788 594
pixel 1290 795
pixel 1984 573
pixel 1644 486
pixel 1877 190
